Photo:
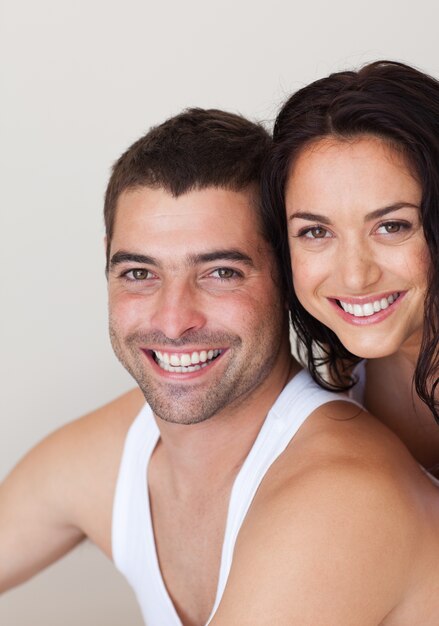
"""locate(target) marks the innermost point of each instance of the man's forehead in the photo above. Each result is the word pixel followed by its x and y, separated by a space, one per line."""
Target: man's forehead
pixel 227 211
pixel 202 226
pixel 148 195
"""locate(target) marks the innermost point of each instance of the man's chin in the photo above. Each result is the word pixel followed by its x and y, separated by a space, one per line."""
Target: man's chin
pixel 178 407
pixel 182 419
pixel 175 407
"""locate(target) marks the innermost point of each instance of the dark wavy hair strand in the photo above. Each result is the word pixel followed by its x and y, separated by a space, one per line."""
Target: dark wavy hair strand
pixel 400 105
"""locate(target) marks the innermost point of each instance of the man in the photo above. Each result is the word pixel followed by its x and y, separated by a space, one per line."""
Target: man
pixel 241 493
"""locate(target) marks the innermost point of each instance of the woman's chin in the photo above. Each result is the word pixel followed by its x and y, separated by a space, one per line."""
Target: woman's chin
pixel 371 349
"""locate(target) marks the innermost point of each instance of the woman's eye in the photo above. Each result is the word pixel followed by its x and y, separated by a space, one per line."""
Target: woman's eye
pixel 391 228
pixel 316 232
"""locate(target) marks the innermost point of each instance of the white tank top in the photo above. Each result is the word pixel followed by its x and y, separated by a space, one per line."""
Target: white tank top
pixel 133 544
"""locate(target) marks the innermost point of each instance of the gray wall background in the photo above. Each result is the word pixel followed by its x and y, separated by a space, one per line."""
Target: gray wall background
pixel 81 80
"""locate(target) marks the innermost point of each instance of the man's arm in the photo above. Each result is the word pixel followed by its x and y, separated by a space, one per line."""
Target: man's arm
pixel 62 491
pixel 336 547
pixel 34 526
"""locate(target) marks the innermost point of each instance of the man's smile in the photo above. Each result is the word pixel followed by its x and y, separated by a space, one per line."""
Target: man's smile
pixel 185 362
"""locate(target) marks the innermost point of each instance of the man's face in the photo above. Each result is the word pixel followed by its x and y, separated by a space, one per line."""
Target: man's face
pixel 195 314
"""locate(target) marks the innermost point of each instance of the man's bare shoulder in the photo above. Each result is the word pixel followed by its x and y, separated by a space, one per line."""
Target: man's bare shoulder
pixel 342 453
pixel 332 535
pixel 341 434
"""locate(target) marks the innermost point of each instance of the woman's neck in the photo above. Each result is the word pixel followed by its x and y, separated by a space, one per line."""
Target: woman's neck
pixel 390 395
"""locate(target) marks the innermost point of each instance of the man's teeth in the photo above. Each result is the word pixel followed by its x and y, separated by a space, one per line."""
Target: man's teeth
pixel 364 310
pixel 185 362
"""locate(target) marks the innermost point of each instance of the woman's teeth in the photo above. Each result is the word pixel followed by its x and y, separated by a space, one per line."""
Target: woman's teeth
pixel 185 362
pixel 369 308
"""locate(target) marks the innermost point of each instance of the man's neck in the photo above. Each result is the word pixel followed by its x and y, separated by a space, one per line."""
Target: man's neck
pixel 213 451
pixel 190 478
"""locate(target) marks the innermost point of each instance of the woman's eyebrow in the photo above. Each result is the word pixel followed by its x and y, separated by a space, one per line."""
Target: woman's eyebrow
pixel 317 217
pixel 389 209
pixel 312 217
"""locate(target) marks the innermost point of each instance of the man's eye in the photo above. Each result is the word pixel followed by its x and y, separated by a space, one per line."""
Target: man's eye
pixel 225 273
pixel 137 274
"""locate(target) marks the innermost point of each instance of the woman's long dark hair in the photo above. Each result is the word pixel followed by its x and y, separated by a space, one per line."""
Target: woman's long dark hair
pixel 394 102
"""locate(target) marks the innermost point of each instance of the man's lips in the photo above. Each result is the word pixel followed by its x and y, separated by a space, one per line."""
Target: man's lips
pixel 183 362
pixel 367 309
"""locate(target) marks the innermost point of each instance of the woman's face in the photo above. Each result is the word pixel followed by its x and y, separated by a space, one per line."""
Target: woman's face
pixel 358 252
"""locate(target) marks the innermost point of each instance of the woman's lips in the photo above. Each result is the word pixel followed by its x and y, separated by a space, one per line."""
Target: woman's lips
pixel 367 310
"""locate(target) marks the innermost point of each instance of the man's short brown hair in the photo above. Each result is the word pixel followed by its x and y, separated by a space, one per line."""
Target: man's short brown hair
pixel 196 149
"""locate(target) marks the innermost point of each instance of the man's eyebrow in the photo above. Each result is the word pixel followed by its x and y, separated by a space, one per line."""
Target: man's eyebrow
pixel 192 259
pixel 221 255
pixel 131 257
pixel 316 217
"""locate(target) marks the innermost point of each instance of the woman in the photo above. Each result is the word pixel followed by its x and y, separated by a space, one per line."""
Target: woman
pixel 354 180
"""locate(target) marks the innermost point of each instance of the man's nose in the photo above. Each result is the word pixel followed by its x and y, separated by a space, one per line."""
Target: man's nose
pixel 178 309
